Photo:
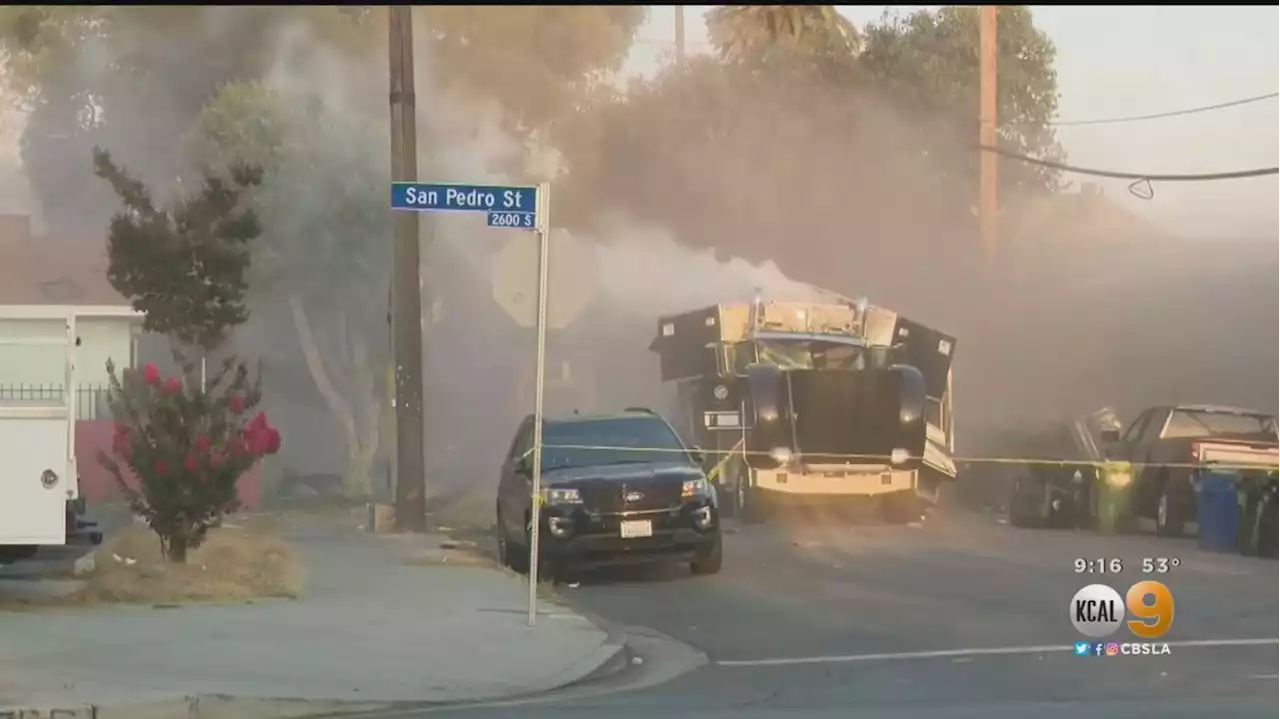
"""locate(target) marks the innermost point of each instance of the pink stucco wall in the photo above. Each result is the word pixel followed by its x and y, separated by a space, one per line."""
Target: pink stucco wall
pixel 97 484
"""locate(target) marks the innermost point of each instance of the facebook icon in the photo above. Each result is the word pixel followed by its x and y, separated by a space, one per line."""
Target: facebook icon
pixel 1097 649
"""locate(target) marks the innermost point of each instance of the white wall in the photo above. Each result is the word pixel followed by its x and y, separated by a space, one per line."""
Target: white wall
pixel 38 372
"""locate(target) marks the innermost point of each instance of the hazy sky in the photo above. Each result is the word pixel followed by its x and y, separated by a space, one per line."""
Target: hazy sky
pixel 1116 61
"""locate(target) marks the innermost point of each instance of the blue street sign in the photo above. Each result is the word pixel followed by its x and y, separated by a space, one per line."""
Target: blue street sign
pixel 490 199
pixel 513 220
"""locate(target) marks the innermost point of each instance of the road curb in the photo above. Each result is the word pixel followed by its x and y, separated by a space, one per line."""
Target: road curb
pixel 608 659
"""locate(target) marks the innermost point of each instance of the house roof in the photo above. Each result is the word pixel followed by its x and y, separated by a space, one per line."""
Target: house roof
pixel 43 270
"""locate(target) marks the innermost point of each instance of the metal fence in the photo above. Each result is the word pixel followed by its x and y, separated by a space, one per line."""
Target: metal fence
pixel 90 401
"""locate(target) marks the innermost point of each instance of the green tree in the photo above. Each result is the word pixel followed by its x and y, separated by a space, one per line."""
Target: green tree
pixel 927 64
pixel 325 253
pixel 777 161
pixel 537 61
pixel 184 267
pixel 753 32
pixel 134 79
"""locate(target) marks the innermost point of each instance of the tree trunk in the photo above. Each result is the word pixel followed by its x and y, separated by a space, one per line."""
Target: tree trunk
pixel 360 427
pixel 176 549
pixel 362 453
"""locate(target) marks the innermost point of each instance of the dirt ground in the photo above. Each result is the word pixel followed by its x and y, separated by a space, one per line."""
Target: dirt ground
pixel 241 560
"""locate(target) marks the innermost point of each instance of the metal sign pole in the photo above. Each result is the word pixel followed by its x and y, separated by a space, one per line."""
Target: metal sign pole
pixel 543 221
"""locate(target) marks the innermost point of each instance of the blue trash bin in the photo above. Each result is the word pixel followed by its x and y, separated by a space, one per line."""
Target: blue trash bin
pixel 1217 511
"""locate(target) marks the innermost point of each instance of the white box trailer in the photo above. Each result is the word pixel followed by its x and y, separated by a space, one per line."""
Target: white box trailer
pixel 39 481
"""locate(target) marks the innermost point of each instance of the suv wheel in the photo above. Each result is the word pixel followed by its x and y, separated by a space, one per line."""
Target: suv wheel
pixel 709 558
pixel 505 556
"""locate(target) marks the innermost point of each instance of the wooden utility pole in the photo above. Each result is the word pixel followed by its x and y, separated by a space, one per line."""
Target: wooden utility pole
pixel 988 201
pixel 406 310
pixel 679 10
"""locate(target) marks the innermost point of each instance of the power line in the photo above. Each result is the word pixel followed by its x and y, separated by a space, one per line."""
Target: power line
pixel 1162 115
pixel 1150 177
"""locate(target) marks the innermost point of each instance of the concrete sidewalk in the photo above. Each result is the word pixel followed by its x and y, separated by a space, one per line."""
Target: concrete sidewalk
pixel 371 628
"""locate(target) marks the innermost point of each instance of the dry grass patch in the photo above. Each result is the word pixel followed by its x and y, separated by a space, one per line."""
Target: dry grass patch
pixel 238 561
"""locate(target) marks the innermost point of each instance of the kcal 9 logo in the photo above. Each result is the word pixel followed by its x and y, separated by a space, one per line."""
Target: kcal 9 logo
pixel 1097 610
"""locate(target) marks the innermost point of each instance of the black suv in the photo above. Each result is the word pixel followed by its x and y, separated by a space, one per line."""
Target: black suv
pixel 616 489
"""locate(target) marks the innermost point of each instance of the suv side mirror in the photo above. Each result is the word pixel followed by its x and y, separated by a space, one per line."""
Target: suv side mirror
pixel 524 465
pixel 1110 435
pixel 697 455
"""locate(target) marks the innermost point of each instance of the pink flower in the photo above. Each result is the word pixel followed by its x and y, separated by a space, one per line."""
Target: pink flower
pixel 257 441
pixel 161 467
pixel 172 386
pixel 202 443
pixel 235 403
pixel 151 373
pixel 217 459
pixel 237 447
pixel 190 463
pixel 273 441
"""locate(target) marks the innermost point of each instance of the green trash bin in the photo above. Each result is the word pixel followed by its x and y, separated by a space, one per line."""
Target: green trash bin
pixel 1111 503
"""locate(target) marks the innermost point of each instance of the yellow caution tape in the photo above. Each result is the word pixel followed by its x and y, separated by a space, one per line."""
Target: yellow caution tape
pixel 885 459
pixel 714 474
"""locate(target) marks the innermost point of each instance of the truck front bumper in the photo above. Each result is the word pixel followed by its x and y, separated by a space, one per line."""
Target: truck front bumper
pixel 844 482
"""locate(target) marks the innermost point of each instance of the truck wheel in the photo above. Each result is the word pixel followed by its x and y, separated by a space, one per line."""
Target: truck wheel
pixel 900 507
pixel 750 504
pixel 727 489
pixel 1170 521
pixel 11 553
pixel 1021 513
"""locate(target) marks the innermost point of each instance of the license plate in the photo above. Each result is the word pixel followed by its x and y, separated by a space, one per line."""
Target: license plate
pixel 635 528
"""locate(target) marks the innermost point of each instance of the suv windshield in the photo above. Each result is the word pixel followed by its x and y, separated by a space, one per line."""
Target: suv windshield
pixel 1193 424
pixel 594 442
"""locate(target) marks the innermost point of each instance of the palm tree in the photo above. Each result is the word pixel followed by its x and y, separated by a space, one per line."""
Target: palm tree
pixel 741 32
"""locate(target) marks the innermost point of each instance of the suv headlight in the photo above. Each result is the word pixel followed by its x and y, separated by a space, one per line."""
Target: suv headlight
pixel 781 455
pixel 561 495
pixel 899 456
pixel 694 488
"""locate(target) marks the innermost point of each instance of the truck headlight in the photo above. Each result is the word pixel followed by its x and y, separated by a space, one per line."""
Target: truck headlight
pixel 899 456
pixel 781 455
pixel 1119 479
pixel 561 495
pixel 694 488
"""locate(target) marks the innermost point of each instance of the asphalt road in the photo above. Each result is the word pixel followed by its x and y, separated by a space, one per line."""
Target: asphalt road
pixel 962 617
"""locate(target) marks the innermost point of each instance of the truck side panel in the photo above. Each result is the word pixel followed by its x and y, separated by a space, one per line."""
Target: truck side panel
pixel 34 484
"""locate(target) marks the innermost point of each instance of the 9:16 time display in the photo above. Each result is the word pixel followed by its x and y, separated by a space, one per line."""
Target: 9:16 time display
pixel 1098 565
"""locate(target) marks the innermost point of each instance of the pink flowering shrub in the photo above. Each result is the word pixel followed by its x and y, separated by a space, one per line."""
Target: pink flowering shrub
pixel 187 447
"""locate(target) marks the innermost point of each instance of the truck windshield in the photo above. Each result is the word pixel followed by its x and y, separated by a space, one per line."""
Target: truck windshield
pixel 1197 424
pixel 810 354
pixel 622 440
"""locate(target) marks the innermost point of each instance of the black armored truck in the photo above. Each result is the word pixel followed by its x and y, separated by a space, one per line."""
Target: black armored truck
pixel 812 401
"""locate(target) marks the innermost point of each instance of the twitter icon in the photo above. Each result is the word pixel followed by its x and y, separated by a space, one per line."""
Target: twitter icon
pixel 1082 649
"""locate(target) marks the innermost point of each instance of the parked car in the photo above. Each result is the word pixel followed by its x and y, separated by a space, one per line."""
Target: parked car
pixel 615 489
pixel 1064 495
pixel 1169 446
